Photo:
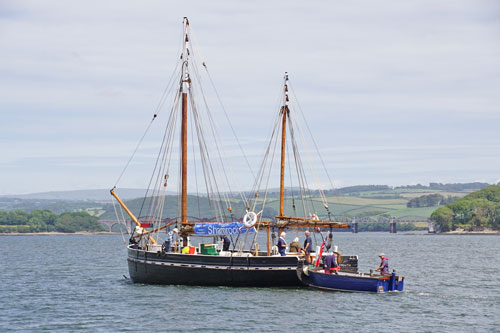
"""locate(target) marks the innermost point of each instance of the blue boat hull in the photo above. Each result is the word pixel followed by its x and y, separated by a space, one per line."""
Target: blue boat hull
pixel 350 282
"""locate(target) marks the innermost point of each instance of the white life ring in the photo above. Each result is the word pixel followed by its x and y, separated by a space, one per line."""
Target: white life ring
pixel 249 219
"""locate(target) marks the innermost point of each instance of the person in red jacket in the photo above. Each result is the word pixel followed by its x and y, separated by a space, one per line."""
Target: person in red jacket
pixel 384 265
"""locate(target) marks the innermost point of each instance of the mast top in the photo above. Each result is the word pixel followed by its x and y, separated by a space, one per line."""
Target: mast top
pixel 286 89
pixel 184 56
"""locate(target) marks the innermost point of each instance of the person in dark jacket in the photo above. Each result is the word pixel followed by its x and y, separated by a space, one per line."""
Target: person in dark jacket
pixel 227 242
pixel 330 263
pixel 308 246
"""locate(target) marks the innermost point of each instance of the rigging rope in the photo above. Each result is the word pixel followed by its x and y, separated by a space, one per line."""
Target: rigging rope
pixel 300 168
pixel 118 218
pixel 135 150
pixel 213 124
pixel 315 145
pixel 212 127
pixel 291 181
pixel 195 170
pixel 222 104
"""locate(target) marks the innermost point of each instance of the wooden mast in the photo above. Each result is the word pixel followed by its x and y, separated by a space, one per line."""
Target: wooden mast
pixel 283 221
pixel 284 111
pixel 184 158
pixel 184 89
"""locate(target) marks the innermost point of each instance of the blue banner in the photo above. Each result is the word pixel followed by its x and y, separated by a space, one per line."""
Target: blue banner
pixel 208 229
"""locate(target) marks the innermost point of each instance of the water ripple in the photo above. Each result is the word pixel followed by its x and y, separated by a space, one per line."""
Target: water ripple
pixel 75 283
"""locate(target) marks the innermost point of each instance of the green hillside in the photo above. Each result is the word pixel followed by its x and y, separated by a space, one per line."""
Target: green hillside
pixel 480 209
pixel 365 202
pixel 47 221
pixel 368 206
pixel 197 207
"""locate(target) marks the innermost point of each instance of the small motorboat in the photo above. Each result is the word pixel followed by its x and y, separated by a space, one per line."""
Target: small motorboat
pixel 316 277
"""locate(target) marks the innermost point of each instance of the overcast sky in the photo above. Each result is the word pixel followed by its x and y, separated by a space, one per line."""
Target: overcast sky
pixel 397 92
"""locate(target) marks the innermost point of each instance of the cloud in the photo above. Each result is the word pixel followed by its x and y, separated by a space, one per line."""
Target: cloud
pixel 80 80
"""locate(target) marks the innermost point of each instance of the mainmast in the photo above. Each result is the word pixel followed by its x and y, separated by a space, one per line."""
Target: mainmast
pixel 184 90
pixel 283 221
pixel 284 111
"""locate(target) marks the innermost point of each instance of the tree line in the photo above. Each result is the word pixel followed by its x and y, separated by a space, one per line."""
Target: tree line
pixel 47 221
pixel 430 200
pixel 358 189
pixel 478 209
pixel 446 187
pixel 385 227
pixel 55 205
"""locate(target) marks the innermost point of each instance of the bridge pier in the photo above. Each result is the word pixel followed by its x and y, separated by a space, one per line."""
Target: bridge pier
pixel 354 227
pixel 392 226
pixel 431 226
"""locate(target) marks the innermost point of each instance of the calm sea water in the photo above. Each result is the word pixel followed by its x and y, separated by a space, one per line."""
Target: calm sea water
pixel 76 283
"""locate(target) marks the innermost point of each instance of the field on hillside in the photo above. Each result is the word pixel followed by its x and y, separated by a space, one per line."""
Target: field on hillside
pixel 370 204
pixel 365 205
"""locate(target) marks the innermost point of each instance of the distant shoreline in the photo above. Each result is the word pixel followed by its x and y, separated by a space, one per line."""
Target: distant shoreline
pixel 79 233
pixel 463 232
pixel 455 232
pixel 88 233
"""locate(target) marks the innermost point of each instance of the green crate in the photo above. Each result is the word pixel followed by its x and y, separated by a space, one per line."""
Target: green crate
pixel 208 249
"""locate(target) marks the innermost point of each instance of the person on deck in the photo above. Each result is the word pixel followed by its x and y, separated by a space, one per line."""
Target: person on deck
pixel 295 246
pixel 167 245
pixel 308 246
pixel 384 265
pixel 330 263
pixel 282 244
pixel 226 243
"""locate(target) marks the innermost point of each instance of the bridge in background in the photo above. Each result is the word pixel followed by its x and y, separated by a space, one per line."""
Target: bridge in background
pixel 109 224
pixel 130 225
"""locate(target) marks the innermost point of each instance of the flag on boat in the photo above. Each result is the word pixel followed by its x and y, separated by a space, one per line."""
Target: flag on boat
pixel 321 252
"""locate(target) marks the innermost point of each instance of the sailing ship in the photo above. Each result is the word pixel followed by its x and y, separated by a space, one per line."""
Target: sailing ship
pixel 207 264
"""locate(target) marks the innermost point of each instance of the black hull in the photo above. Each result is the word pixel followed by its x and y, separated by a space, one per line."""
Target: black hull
pixel 207 270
